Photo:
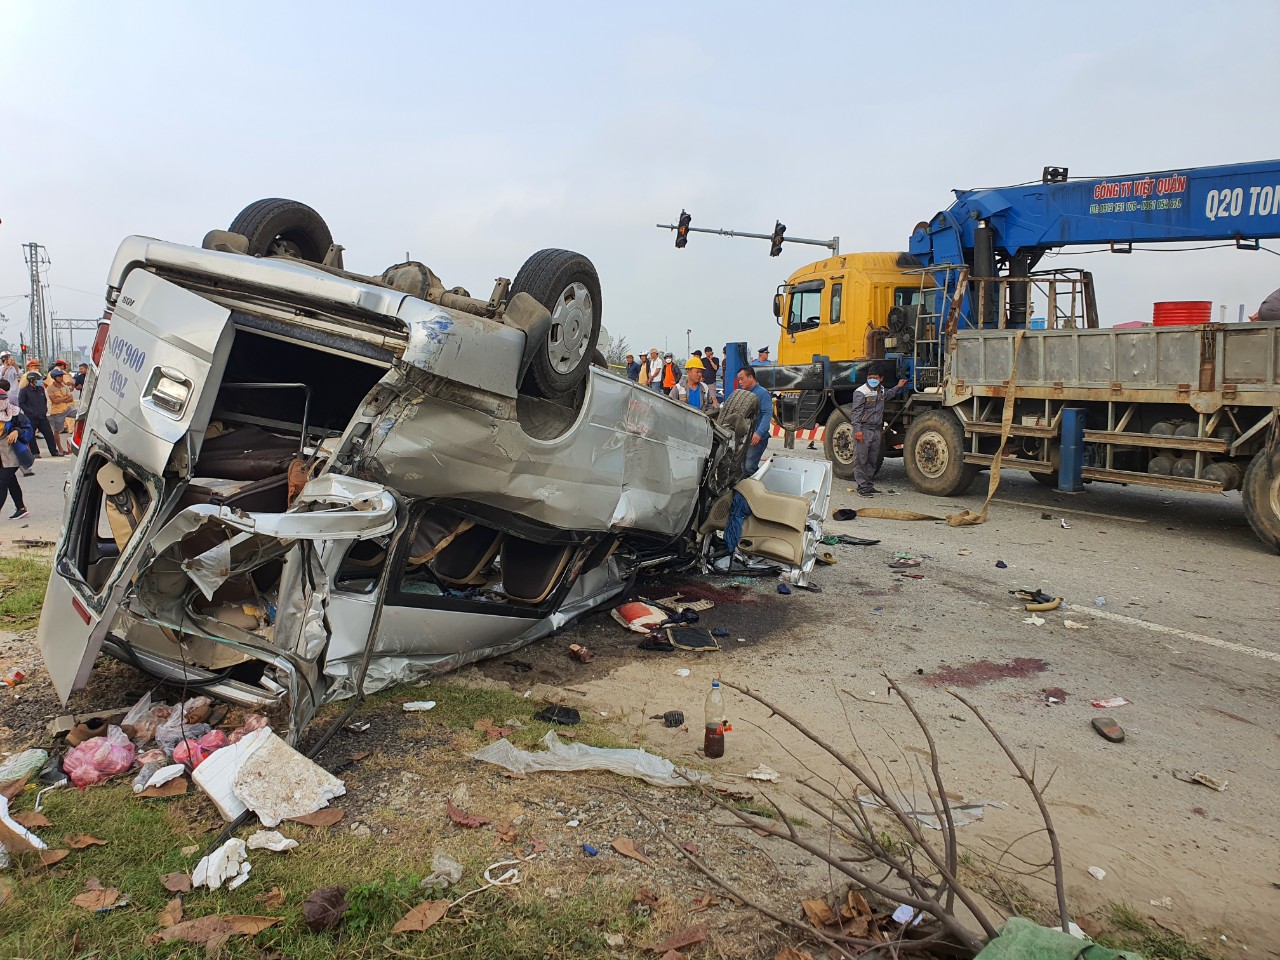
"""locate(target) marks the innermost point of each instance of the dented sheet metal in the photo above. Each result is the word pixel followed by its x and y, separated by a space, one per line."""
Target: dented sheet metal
pixel 632 460
pixel 466 349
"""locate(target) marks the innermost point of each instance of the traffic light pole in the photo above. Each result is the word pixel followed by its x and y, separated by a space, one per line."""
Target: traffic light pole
pixel 833 244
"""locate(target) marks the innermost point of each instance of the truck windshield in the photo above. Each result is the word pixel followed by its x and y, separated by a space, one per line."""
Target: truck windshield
pixel 806 310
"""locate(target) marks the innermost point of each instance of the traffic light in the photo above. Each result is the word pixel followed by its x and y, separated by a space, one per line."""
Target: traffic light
pixel 779 228
pixel 682 231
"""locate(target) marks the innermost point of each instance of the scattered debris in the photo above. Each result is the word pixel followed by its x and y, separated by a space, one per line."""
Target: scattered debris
pixel 323 908
pixel 1065 525
pixel 22 766
pixel 964 553
pixel 628 848
pixel 560 716
pixel 1165 902
pixel 1034 620
pixel 226 865
pixel 1111 702
pixel 99 758
pixel 672 718
pixel 683 672
pixel 270 840
pixel 784 589
pixel 1108 729
pixel 923 807
pixel 1097 873
pixel 907 915
pixel 589 850
pixel 1213 783
pixel 171 914
pixel 1001 565
pixel 445 871
pixel 1072 625
pixel 418 706
pixel 764 773
pixel 580 653
pixel 560 756
pixel 638 616
pixel 1099 601
pixel 264 774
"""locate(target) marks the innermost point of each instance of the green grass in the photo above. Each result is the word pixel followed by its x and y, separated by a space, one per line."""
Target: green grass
pixel 22 584
pixel 1132 931
pixel 562 909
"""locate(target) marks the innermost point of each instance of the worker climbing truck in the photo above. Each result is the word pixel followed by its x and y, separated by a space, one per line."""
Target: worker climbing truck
pixel 996 350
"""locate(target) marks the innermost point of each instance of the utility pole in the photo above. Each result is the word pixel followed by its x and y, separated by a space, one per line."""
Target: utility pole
pixel 37 258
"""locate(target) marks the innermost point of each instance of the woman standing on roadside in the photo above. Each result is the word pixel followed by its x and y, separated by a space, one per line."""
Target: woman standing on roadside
pixel 9 464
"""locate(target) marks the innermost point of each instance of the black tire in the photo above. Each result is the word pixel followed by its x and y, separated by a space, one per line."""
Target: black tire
pixel 934 455
pixel 565 283
pixel 278 227
pixel 1261 494
pixel 837 444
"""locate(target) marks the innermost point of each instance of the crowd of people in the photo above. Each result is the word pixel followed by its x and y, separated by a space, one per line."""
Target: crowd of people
pixel 36 406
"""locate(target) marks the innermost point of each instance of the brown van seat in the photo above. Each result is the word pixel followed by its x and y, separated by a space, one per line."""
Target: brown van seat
pixel 466 557
pixel 531 571
pixel 435 531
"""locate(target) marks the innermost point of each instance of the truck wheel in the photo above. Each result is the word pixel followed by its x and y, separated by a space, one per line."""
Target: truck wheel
pixel 565 283
pixel 838 444
pixel 287 228
pixel 1261 494
pixel 934 455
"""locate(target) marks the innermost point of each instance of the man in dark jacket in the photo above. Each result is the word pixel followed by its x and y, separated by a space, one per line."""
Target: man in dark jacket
pixel 34 402
pixel 866 416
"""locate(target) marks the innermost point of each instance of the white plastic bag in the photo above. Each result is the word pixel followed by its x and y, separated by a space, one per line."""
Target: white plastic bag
pixel 562 756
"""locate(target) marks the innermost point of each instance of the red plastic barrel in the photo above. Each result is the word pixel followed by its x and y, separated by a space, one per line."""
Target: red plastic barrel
pixel 1172 313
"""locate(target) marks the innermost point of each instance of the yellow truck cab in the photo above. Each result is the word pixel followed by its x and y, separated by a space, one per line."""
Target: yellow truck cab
pixel 839 307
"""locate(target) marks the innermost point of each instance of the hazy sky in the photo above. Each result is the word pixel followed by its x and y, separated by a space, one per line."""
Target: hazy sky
pixel 474 134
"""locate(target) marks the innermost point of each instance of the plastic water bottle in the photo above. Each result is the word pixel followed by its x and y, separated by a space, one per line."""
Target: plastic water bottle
pixel 713 737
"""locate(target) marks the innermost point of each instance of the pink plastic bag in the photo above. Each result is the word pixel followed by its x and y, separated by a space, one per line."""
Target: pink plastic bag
pixel 252 722
pixel 100 758
pixel 195 752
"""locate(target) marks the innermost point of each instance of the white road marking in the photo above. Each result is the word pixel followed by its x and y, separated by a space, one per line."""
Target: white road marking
pixel 1174 632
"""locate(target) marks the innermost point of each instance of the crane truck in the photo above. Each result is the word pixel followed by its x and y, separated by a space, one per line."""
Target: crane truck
pixel 966 315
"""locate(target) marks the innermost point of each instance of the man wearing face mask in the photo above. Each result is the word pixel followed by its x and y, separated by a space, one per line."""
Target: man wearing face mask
pixel 866 415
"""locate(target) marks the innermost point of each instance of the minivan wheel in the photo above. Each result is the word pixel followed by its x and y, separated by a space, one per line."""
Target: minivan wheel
pixel 566 284
pixel 283 228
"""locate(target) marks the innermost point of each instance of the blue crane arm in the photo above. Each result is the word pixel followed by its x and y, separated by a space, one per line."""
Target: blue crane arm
pixel 1232 202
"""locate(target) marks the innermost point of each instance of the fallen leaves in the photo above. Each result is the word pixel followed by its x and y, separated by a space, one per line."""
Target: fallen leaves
pixel 173 788
pixel 273 899
pixel 644 897
pixel 685 938
pixel 15 842
pixel 324 908
pixel 50 857
pixel 31 819
pixel 819 913
pixel 462 818
pixel 213 929
pixel 422 917
pixel 96 897
pixel 79 841
pixel 11 790
pixel 171 914
pixel 506 832
pixel 176 883
pixel 321 818
pixel 792 953
pixel 627 847
pixel 485 725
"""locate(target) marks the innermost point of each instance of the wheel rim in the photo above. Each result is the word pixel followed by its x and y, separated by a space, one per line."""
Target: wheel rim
pixel 842 444
pixel 1273 495
pixel 933 456
pixel 284 247
pixel 570 328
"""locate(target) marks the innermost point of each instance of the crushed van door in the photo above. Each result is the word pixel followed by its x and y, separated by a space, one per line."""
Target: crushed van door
pixel 147 420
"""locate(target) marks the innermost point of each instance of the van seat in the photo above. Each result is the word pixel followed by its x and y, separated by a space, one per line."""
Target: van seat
pixel 531 571
pixel 467 556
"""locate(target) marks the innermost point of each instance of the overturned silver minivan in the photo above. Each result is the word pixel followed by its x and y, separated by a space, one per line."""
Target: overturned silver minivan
pixel 295 483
